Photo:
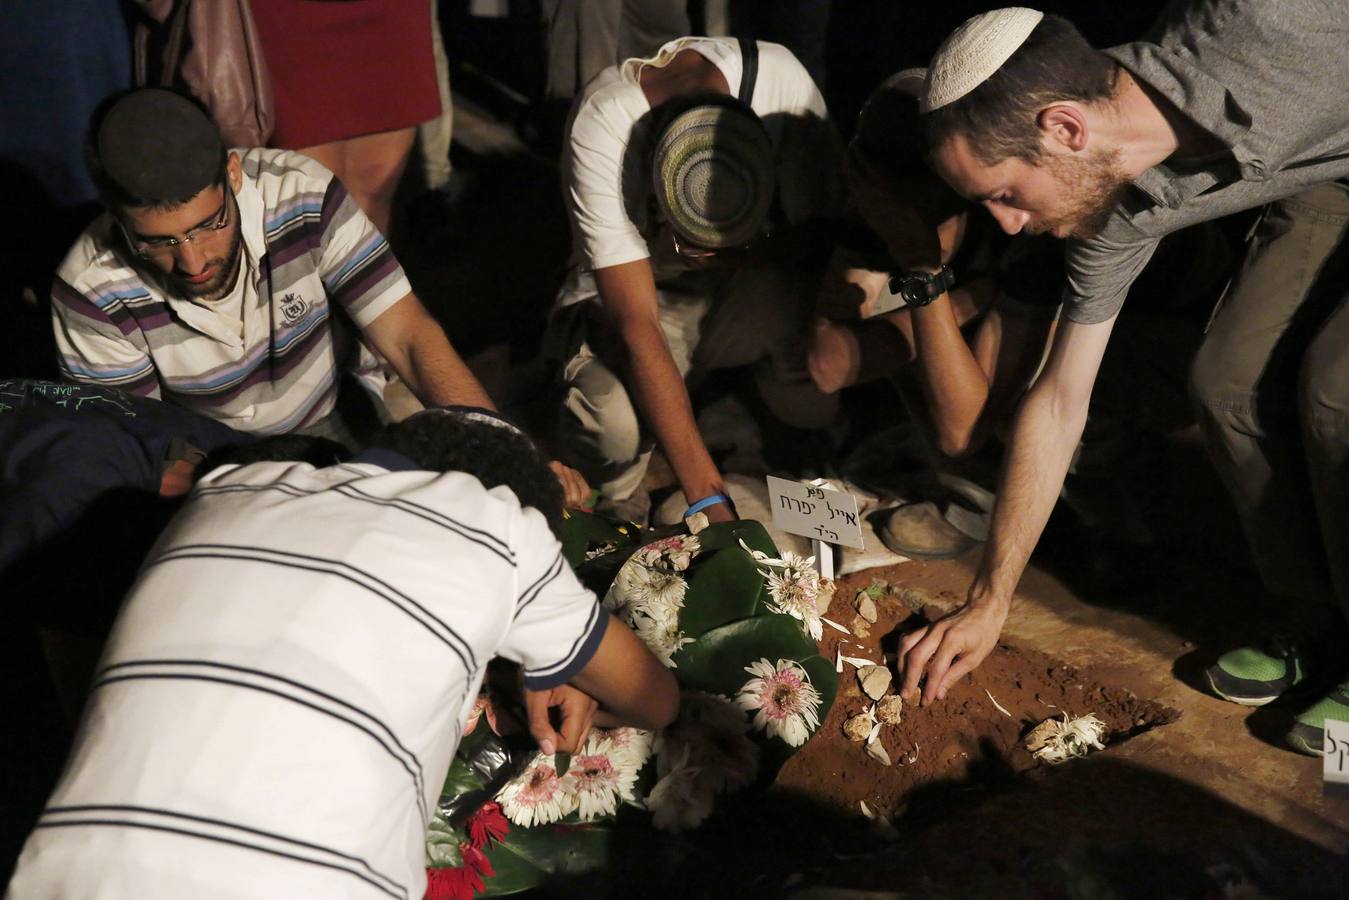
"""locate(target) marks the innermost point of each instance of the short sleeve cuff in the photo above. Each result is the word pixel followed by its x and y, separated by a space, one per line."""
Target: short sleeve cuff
pixel 617 256
pixel 581 653
pixel 1091 313
pixel 372 308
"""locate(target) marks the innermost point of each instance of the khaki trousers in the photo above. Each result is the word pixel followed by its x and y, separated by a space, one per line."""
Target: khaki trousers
pixel 712 320
pixel 1272 386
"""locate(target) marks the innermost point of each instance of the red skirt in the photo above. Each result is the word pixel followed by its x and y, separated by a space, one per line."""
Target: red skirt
pixel 344 68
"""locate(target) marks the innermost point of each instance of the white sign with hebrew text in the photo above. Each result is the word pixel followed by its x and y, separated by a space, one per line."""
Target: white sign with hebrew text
pixel 815 512
pixel 1336 771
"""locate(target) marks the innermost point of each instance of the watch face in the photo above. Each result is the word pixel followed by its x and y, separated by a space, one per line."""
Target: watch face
pixel 913 292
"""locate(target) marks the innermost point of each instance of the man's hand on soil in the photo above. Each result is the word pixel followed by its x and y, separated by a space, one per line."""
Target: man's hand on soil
pixel 577 713
pixel 942 653
pixel 575 490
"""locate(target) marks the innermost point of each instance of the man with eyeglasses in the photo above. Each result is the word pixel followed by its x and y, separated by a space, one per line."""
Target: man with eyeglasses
pixel 228 282
pixel 692 178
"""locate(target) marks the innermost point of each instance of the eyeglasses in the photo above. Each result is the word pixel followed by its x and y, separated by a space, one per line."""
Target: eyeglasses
pixel 690 251
pixel 149 248
pixel 694 252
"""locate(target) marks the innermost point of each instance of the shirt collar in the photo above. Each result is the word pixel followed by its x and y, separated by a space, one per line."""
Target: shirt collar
pixel 249 199
pixel 386 459
pixel 1207 103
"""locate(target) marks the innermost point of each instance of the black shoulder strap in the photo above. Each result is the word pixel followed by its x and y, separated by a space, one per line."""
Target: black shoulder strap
pixel 749 60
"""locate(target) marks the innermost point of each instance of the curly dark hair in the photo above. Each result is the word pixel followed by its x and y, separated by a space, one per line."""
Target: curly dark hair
pixel 495 454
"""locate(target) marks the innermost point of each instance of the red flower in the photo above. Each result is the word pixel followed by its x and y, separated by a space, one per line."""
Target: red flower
pixel 452 883
pixel 477 860
pixel 459 882
pixel 487 824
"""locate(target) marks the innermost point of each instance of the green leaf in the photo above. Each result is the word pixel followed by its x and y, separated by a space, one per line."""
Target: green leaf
pixel 461 779
pixel 442 843
pixel 580 531
pixel 529 856
pixel 716 661
pixel 729 534
pixel 512 872
pixel 722 588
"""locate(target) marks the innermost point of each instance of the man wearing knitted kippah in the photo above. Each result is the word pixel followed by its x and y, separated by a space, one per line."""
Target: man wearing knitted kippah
pixel 1230 106
pixel 689 178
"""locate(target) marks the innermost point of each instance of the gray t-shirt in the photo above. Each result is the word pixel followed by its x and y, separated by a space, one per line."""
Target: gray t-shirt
pixel 1268 79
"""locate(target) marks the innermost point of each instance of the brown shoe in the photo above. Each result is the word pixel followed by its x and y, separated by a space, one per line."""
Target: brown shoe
pixel 920 531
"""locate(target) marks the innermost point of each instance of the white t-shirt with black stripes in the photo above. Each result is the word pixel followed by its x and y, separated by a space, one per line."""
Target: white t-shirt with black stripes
pixel 284 689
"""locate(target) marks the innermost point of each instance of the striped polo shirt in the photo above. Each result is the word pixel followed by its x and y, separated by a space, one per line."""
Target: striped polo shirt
pixel 283 692
pixel 306 245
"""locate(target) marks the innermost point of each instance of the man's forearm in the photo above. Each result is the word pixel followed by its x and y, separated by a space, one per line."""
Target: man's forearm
pixel 416 347
pixel 953 382
pixel 1043 441
pixel 438 375
pixel 663 400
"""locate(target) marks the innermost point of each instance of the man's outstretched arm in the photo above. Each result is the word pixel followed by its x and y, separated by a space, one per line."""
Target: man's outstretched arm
pixel 629 684
pixel 1046 432
pixel 628 291
pixel 416 346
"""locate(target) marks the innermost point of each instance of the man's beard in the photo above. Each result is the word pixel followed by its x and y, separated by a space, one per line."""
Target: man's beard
pixel 227 270
pixel 1093 187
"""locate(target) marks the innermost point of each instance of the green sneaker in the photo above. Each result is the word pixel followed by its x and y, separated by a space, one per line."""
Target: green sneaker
pixel 1254 676
pixel 1308 734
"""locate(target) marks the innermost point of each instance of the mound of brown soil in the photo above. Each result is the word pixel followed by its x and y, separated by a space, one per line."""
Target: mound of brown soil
pixel 964 740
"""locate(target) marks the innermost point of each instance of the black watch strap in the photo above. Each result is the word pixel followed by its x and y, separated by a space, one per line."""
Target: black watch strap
pixel 921 288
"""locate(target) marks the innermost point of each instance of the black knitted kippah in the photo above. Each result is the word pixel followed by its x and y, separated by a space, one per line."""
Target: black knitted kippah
pixel 158 146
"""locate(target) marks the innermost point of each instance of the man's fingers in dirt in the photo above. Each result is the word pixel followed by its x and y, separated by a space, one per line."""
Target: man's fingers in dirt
pixel 914 650
pixel 939 666
pixel 963 666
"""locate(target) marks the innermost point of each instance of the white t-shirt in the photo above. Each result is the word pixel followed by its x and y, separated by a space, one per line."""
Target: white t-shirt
pixel 606 168
pixel 283 692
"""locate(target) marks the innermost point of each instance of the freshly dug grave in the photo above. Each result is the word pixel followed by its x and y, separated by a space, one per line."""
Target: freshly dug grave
pixel 965 740
pixel 808 827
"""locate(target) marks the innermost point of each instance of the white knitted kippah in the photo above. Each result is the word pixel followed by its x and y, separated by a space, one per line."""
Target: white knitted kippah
pixel 974 51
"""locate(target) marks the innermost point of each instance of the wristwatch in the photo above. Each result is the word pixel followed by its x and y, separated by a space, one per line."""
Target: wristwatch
pixel 921 288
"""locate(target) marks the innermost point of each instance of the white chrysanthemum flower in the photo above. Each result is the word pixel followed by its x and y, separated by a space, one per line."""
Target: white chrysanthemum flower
pixel 620 592
pixel 794 585
pixel 633 744
pixel 638 590
pixel 536 796
pixel 680 800
pixel 712 734
pixel 794 593
pixel 783 700
pixel 662 638
pixel 658 594
pixel 599 776
pixel 1056 742
pixel 672 553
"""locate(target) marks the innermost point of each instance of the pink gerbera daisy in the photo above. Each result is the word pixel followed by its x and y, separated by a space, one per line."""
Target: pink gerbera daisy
pixel 598 778
pixel 536 796
pixel 783 700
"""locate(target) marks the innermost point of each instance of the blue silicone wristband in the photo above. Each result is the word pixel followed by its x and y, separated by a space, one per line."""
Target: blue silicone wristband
pixel 704 503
